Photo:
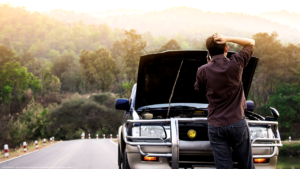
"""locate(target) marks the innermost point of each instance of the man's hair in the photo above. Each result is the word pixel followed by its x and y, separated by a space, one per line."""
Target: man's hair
pixel 213 47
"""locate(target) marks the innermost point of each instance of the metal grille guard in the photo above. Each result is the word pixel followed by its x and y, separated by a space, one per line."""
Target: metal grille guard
pixel 174 143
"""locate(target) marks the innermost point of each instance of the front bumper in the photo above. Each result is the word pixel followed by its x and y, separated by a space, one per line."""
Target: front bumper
pixel 170 150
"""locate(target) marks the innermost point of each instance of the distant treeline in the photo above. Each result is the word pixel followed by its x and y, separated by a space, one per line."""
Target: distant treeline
pixel 191 23
pixel 43 61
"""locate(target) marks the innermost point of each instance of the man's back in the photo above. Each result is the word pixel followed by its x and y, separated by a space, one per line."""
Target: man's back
pixel 222 79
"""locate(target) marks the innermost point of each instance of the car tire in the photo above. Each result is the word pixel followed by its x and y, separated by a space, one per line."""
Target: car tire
pixel 120 160
pixel 125 161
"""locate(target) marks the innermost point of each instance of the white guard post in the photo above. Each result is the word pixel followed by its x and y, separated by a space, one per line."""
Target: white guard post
pixel 96 136
pixel 24 146
pixel 89 136
pixel 290 139
pixel 103 136
pixel 6 150
pixel 110 136
pixel 36 144
pixel 44 141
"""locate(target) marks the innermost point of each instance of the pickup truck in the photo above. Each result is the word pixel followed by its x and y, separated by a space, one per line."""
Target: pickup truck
pixel 164 133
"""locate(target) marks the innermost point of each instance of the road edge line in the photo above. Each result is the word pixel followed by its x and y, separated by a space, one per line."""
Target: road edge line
pixel 114 142
pixel 28 153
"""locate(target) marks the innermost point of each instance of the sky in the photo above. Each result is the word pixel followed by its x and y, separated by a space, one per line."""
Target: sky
pixel 252 7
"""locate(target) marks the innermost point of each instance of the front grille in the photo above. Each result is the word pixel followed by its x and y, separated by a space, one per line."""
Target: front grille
pixel 201 135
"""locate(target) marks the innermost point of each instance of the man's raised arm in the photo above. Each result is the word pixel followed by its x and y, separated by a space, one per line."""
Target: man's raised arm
pixel 220 39
pixel 244 55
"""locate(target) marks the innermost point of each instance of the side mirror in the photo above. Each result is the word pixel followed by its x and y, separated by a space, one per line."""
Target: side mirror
pixel 122 104
pixel 250 105
pixel 274 112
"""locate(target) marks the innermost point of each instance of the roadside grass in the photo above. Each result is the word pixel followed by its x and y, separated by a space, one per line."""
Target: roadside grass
pixel 116 141
pixel 30 148
pixel 290 149
pixel 288 163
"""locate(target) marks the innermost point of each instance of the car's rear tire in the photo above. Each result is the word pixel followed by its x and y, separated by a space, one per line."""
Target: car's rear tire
pixel 125 161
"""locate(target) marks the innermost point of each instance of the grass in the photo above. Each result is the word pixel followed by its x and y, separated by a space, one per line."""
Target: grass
pixel 30 148
pixel 290 149
pixel 288 163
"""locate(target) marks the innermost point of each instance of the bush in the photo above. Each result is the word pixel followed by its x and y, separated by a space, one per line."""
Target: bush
pixel 95 115
pixel 290 149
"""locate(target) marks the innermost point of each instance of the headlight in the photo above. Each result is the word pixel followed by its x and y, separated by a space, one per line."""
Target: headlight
pixel 148 131
pixel 258 132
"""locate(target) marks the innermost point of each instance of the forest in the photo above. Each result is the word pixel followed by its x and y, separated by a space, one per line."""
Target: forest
pixel 60 79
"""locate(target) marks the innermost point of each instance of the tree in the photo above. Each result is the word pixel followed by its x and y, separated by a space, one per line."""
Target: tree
pixel 52 54
pixel 266 75
pixel 170 45
pixel 277 65
pixel 71 79
pixel 117 53
pixel 286 99
pixel 51 83
pixel 134 47
pixel 99 67
pixel 62 63
pixel 18 79
pixel 5 93
pixel 35 117
pixel 6 55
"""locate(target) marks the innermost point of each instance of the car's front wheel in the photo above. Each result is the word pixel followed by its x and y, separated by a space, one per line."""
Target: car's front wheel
pixel 120 160
pixel 125 161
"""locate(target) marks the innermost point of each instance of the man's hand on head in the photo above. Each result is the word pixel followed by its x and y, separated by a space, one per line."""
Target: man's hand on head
pixel 219 39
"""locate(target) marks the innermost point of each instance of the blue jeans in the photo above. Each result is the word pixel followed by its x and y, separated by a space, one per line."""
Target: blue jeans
pixel 236 136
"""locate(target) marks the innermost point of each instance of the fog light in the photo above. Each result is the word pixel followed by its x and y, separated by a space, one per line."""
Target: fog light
pixel 191 133
pixel 150 159
pixel 260 160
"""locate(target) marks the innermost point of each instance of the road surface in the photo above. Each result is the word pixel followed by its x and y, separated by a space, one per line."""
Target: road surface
pixel 75 154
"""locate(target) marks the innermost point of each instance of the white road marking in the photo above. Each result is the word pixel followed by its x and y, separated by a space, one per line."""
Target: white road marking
pixel 114 142
pixel 27 154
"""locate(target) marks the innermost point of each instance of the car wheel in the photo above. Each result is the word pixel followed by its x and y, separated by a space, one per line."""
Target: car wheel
pixel 120 160
pixel 125 161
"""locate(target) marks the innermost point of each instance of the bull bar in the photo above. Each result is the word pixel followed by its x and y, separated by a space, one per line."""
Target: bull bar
pixel 174 143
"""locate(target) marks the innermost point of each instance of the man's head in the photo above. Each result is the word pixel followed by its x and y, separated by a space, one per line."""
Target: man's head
pixel 214 48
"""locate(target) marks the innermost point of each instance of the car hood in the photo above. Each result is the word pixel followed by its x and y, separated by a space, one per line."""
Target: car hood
pixel 157 74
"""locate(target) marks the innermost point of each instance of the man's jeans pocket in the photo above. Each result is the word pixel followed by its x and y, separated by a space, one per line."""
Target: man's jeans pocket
pixel 213 134
pixel 241 133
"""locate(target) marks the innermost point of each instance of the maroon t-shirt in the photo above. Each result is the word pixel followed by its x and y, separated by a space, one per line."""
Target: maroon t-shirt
pixel 222 79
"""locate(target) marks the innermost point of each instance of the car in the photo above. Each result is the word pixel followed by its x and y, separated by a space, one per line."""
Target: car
pixel 160 131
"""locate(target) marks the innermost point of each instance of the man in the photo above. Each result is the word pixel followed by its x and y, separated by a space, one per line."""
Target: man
pixel 222 79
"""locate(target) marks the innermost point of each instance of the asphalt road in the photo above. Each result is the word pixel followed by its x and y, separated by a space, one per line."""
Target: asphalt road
pixel 75 154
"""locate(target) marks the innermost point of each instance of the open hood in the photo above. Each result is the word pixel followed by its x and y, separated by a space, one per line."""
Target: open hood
pixel 157 74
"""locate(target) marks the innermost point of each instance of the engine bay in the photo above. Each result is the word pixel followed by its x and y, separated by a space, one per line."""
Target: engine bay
pixel 187 112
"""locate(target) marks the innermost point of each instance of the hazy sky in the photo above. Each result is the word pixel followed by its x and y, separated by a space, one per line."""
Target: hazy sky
pixel 250 6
